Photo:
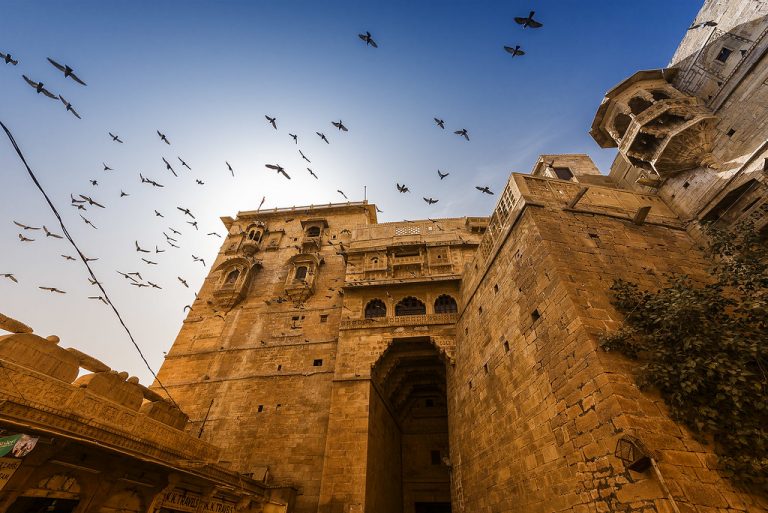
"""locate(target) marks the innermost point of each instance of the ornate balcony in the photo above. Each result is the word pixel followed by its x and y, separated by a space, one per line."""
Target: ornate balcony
pixel 402 320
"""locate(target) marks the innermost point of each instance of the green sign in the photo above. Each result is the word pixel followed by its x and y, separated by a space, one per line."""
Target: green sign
pixel 7 443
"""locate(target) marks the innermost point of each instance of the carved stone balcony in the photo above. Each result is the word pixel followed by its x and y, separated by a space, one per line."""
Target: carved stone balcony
pixel 402 320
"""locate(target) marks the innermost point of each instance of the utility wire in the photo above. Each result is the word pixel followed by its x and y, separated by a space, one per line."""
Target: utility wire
pixel 82 257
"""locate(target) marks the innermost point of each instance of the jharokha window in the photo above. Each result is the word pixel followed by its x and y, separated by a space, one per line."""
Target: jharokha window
pixel 375 308
pixel 233 276
pixel 313 231
pixel 410 306
pixel 301 273
pixel 446 304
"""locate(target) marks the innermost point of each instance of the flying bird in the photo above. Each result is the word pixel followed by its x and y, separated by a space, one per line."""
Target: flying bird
pixel 88 222
pixel 304 156
pixel 9 275
pixel 94 182
pixel 295 138
pixel 98 298
pixel 51 234
pixel 193 223
pixel 107 168
pixel 342 193
pixel 199 182
pixel 123 194
pixel 135 284
pixel 440 123
pixel 168 166
pixel 312 173
pixel 150 262
pixel 215 234
pixel 168 237
pixel 69 107
pixel 462 133
pixel 514 51
pixel 151 182
pixel 25 227
pixel 172 244
pixel 709 23
pixel 484 190
pixel 183 281
pixel 184 163
pixel 368 39
pixel 322 136
pixel 163 138
pixel 230 168
pixel 380 211
pixel 137 274
pixel 139 249
pixel 52 289
pixel 25 239
pixel 115 137
pixel 402 188
pixel 176 232
pixel 38 86
pixel 68 72
pixel 91 201
pixel 158 250
pixel 340 126
pixel 263 198
pixel 528 21
pixel 279 169
pixel 8 59
pixel 94 282
pixel 127 276
pixel 153 285
pixel 430 200
pixel 158 214
pixel 198 259
pixel 442 175
pixel 272 121
pixel 90 259
pixel 186 212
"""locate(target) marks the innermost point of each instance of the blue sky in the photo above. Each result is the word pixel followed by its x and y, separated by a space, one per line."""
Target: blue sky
pixel 206 73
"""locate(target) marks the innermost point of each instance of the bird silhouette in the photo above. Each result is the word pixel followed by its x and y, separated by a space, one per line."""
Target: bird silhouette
pixel 89 259
pixel 139 248
pixel 51 234
pixel 214 234
pixel 279 169
pixel 484 190
pixel 25 227
pixel 184 164
pixel 193 223
pixel 150 182
pixel 163 137
pixel 312 173
pixel 158 250
pixel 107 168
pixel 199 182
pixel 198 259
pixel 68 258
pixel 340 126
pixel 91 201
pixel 154 285
pixel 463 133
pixel 230 168
pixel 98 298
pixel 88 222
pixel 115 138
pixel 440 123
pixel 168 166
pixel 402 188
pixel 514 51
pixel 94 182
pixel 694 26
pixel 137 274
pixel 123 193
pixel 140 285
pixel 172 244
pixel 528 21
pixel 176 232
pixel 158 214
pixel 183 281
pixel 378 209
pixel 442 175
pixel 368 39
pixel 25 239
pixel 69 107
pixel 39 87
pixel 8 59
pixel 272 121
pixel 323 137
pixel 9 275
pixel 52 289
pixel 127 276
pixel 93 282
pixel 430 200
pixel 68 72
pixel 263 199
pixel 186 212
pixel 150 262
pixel 342 193
pixel 295 138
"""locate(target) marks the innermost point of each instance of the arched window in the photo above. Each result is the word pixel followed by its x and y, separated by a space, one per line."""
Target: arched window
pixel 446 304
pixel 301 273
pixel 252 235
pixel 313 231
pixel 638 104
pixel 410 306
pixel 659 95
pixel 375 308
pixel 233 276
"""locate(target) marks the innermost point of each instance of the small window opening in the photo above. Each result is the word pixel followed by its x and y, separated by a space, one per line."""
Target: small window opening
pixel 375 308
pixel 496 288
pixel 594 235
pixel 301 273
pixel 278 406
pixel 724 54
pixel 563 173
pixel 466 331
pixel 480 309
pixel 434 457
pixel 232 276
pixel 324 318
pixel 535 315
pixel 313 231
pixel 686 185
pixel 410 306
pixel 260 408
pixel 470 384
pixel 506 346
pixel 730 132
pixel 485 368
pixel 318 362
pixel 446 304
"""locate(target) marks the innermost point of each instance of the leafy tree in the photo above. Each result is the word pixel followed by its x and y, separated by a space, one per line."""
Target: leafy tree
pixel 704 347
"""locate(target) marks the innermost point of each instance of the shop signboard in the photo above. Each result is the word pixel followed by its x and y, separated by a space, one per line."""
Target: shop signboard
pixel 7 467
pixel 188 502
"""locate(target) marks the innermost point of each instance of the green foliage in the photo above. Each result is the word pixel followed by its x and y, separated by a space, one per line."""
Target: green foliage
pixel 704 347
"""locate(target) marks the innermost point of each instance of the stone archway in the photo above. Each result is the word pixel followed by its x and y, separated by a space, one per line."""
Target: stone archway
pixel 58 493
pixel 408 430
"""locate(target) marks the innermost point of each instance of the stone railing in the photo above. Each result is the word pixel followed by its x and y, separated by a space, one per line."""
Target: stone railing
pixel 400 320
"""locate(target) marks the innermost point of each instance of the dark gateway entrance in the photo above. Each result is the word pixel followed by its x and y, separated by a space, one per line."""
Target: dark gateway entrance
pixel 408 431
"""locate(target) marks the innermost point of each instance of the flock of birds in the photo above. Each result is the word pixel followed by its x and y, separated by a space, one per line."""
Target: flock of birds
pixel 84 202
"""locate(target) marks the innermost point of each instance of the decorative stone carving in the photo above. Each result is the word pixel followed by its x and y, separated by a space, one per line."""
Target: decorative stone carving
pixel 655 126
pixel 300 282
pixel 235 275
